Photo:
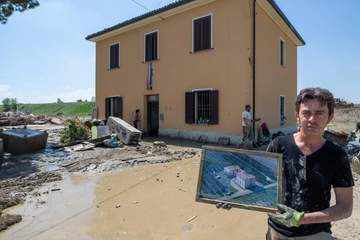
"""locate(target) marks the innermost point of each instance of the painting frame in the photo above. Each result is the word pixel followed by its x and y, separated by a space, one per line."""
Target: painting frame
pixel 248 179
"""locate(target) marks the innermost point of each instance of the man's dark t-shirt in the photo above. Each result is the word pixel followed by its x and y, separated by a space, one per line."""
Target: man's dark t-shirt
pixel 327 167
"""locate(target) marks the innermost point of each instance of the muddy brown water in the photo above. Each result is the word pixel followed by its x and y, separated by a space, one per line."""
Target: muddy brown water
pixel 144 203
pixel 63 212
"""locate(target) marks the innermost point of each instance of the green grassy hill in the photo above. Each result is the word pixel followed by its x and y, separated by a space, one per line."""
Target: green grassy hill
pixel 52 109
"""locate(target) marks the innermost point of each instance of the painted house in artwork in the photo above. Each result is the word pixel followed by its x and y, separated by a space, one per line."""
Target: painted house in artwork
pixel 192 66
pixel 231 171
pixel 245 180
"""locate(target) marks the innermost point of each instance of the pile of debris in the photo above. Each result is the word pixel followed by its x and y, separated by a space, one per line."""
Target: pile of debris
pixel 21 140
pixel 19 118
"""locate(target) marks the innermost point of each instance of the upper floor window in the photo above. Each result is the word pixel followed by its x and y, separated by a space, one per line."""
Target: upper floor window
pixel 151 46
pixel 202 33
pixel 282 53
pixel 115 55
pixel 202 106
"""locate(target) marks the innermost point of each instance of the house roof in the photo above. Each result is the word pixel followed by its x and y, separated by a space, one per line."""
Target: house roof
pixel 286 20
pixel 245 176
pixel 232 168
pixel 182 5
pixel 93 37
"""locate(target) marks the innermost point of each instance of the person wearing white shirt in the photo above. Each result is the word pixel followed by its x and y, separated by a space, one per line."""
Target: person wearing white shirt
pixel 247 127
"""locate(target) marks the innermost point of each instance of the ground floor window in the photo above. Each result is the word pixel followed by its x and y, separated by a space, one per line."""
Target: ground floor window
pixel 113 106
pixel 202 106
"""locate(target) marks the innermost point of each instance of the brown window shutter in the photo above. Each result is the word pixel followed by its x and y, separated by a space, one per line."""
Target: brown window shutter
pixel 114 56
pixel 207 33
pixel 197 35
pixel 119 100
pixel 116 61
pixel 189 107
pixel 107 108
pixel 151 46
pixel 148 48
pixel 214 107
pixel 154 46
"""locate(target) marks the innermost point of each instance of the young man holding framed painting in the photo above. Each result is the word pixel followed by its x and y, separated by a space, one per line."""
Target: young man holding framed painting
pixel 312 166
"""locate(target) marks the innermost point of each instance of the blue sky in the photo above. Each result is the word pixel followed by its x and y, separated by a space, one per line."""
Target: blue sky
pixel 44 55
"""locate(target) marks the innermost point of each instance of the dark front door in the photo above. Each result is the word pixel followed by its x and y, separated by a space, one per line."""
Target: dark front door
pixel 153 115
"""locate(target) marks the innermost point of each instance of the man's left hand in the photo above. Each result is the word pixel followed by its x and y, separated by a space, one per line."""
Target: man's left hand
pixel 287 216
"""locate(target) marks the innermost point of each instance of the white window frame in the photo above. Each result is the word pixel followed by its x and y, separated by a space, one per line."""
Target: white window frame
pixel 282 52
pixel 158 40
pixel 109 66
pixel 192 30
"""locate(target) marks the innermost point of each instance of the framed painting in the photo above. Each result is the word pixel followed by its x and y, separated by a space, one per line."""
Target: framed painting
pixel 240 178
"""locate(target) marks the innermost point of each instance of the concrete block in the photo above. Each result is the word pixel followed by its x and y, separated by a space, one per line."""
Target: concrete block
pixel 125 132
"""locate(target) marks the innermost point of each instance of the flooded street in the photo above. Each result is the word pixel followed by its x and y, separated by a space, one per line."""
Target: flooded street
pixel 143 203
pixel 60 214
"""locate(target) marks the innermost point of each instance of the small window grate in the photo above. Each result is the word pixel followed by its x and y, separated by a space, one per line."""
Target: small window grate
pixel 202 106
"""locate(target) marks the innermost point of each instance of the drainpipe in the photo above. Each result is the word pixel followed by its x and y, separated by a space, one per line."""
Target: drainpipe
pixel 253 62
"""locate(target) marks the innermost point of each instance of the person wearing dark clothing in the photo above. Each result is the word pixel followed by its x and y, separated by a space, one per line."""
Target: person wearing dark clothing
pixel 312 166
pixel 357 124
pixel 357 127
pixel 137 118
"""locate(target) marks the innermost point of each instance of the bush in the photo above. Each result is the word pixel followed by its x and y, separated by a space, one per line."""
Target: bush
pixel 75 130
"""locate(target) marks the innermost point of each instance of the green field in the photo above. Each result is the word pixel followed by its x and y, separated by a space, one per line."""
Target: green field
pixel 53 109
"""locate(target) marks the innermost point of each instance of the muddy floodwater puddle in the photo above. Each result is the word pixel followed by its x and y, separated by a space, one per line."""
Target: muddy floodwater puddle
pixel 92 206
pixel 61 210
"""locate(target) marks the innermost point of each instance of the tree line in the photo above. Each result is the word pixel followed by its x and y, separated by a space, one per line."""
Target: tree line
pixel 10 104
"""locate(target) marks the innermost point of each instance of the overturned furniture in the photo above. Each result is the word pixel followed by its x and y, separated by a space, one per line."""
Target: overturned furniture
pixel 125 132
pixel 23 140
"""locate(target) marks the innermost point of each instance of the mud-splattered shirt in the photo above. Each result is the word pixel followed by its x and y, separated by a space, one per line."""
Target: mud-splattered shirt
pixel 306 187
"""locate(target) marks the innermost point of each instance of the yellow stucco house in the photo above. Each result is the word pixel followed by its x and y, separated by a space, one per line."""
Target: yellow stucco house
pixel 192 66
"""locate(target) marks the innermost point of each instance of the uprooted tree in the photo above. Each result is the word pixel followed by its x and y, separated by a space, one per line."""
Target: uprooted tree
pixel 8 7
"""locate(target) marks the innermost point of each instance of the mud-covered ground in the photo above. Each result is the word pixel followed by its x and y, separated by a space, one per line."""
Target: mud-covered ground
pixel 22 175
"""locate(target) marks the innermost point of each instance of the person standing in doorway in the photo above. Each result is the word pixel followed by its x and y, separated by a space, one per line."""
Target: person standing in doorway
pixel 247 127
pixel 312 166
pixel 137 118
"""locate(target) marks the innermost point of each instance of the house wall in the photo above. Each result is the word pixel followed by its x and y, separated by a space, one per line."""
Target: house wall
pixel 225 68
pixel 272 79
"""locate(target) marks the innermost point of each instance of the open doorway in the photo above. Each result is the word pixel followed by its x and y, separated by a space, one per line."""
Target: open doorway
pixel 153 115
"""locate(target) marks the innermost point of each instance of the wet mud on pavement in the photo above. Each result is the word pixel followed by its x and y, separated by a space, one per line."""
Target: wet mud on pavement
pixel 149 202
pixel 62 211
